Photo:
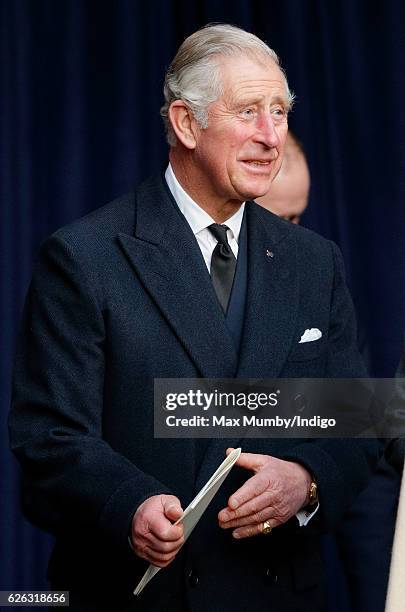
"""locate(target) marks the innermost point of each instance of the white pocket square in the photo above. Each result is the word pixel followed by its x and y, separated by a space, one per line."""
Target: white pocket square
pixel 310 335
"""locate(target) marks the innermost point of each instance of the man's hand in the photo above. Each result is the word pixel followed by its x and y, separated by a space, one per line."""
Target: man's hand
pixel 153 536
pixel 275 493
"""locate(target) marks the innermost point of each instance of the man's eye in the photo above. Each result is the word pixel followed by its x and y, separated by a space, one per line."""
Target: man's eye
pixel 248 112
pixel 279 113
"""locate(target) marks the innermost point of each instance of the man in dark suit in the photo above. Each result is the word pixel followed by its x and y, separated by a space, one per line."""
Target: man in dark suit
pixel 156 285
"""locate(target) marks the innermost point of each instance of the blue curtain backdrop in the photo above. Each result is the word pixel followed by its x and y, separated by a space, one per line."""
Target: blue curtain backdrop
pixel 79 111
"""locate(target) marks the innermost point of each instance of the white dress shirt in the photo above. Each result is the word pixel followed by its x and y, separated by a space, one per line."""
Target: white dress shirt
pixel 199 220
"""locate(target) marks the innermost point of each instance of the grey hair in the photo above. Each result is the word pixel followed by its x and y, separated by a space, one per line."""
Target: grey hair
pixel 194 75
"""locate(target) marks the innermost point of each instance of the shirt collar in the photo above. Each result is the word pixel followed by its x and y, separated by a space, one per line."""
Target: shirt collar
pixel 197 218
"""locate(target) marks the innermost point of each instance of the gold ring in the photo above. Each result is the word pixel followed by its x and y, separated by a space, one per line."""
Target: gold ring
pixel 266 528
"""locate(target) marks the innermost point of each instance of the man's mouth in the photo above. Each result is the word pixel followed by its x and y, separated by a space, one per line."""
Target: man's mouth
pixel 258 166
pixel 257 162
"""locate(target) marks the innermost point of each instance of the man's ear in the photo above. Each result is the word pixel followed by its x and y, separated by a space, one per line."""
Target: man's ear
pixel 183 123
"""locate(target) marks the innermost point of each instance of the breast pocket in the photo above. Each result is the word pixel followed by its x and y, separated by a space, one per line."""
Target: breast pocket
pixel 306 351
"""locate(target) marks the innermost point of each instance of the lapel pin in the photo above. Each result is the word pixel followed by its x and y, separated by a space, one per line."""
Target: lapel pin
pixel 269 253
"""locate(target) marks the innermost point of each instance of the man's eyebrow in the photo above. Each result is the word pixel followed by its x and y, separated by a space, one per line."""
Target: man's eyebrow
pixel 282 100
pixel 247 100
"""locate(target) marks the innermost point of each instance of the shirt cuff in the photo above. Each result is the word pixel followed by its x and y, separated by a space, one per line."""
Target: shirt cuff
pixel 304 516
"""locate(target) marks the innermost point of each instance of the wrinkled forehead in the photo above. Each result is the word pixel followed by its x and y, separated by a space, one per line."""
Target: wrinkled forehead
pixel 250 66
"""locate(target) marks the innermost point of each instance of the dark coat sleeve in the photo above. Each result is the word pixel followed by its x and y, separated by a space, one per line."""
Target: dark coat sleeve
pixel 71 475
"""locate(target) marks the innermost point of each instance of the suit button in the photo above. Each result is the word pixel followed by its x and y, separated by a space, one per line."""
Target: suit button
pixel 300 402
pixel 270 576
pixel 193 578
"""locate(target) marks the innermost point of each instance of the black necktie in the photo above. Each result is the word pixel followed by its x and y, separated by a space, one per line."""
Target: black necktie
pixel 223 264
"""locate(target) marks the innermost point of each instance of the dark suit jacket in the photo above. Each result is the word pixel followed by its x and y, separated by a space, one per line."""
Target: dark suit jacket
pixel 123 296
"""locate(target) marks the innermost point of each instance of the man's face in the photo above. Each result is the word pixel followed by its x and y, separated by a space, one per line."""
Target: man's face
pixel 240 152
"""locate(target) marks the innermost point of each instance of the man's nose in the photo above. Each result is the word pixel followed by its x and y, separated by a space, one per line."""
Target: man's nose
pixel 266 130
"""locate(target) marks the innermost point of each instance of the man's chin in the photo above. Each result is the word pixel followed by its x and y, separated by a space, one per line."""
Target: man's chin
pixel 253 194
pixel 252 189
pixel 257 189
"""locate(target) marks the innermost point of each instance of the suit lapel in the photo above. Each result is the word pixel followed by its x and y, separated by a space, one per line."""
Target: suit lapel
pixel 168 262
pixel 272 295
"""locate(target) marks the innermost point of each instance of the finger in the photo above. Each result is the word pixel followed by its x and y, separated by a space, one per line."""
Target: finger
pixel 255 506
pixel 252 519
pixel 172 509
pixel 163 529
pixel 251 461
pixel 248 532
pixel 254 487
pixel 163 546
pixel 158 559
